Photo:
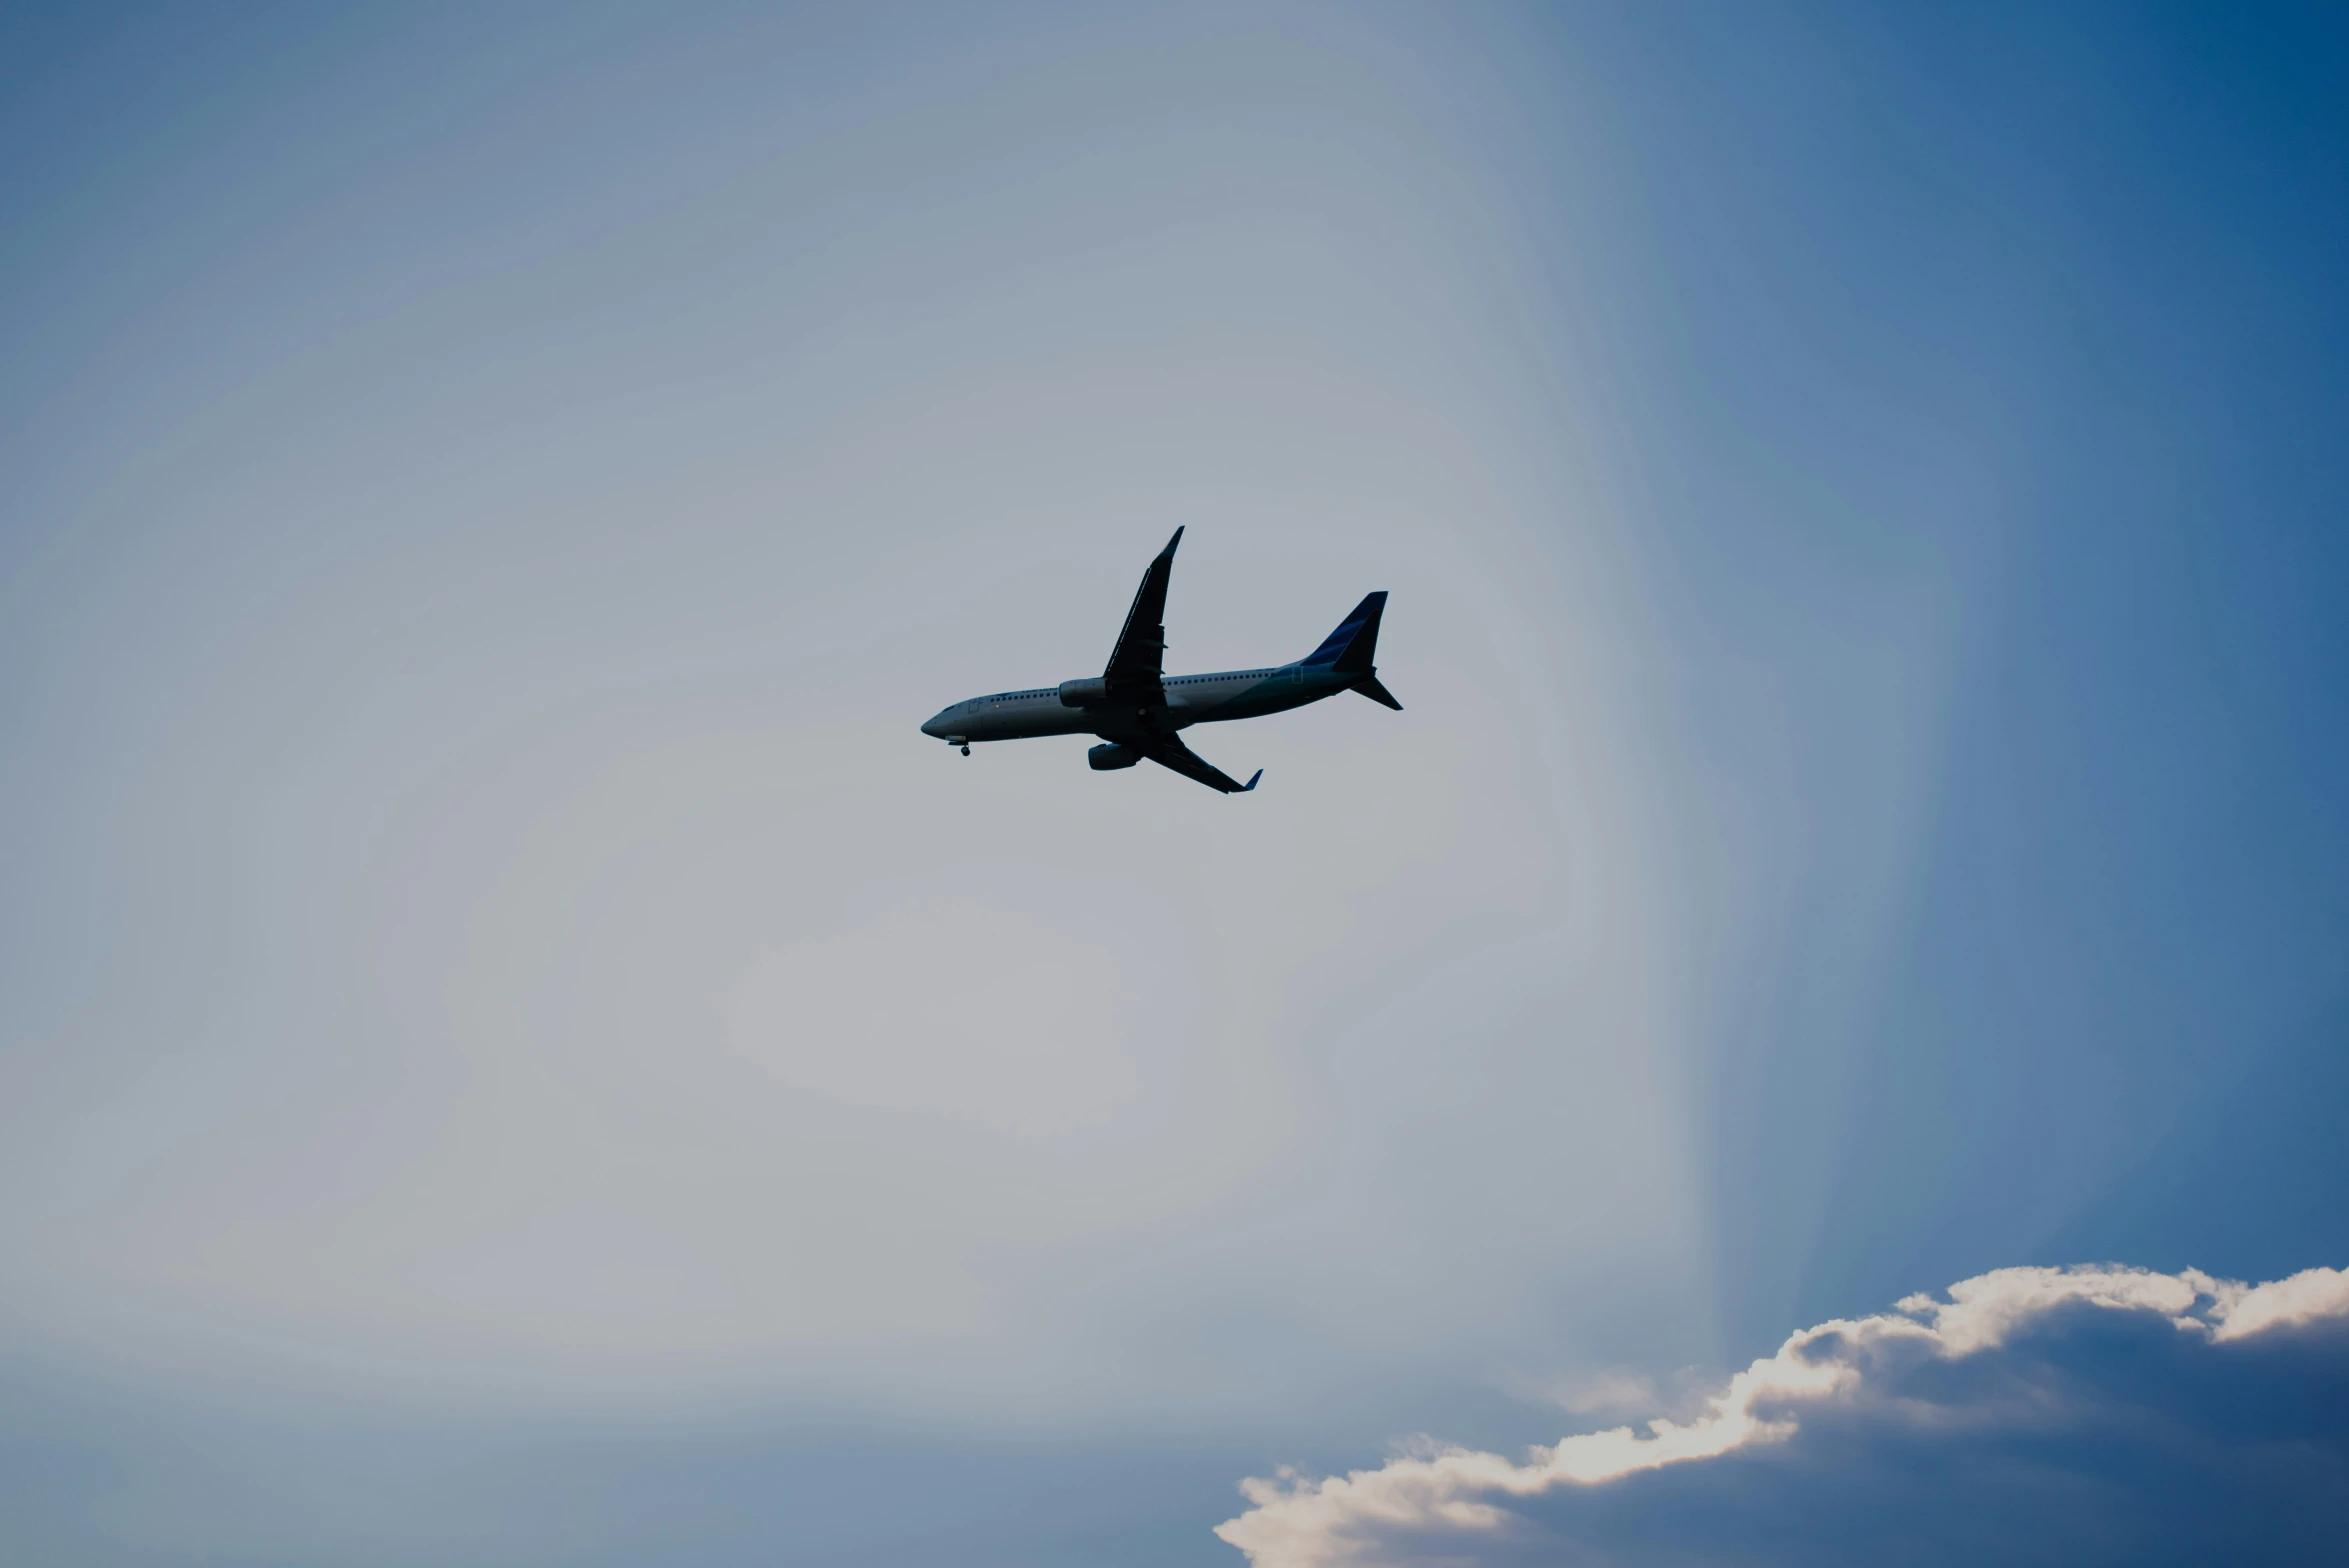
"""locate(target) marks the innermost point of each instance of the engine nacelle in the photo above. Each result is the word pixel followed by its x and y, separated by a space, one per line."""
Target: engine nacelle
pixel 1085 694
pixel 1113 755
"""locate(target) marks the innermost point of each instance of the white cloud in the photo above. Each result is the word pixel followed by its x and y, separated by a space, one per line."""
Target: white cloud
pixel 1470 1501
pixel 2306 1297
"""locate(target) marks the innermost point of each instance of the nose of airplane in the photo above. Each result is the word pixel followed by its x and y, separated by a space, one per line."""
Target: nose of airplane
pixel 936 728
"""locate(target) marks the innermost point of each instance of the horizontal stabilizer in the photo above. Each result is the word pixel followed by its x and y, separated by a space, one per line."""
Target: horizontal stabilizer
pixel 1370 687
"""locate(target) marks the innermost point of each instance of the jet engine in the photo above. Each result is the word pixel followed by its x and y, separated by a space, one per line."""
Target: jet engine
pixel 1084 694
pixel 1113 755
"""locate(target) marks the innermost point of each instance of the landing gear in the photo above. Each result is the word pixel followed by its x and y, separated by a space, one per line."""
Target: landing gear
pixel 966 751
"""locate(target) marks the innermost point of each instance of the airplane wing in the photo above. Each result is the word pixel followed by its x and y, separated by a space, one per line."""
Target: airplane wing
pixel 1169 752
pixel 1139 658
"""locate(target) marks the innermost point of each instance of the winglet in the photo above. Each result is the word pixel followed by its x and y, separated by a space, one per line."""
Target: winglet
pixel 1252 778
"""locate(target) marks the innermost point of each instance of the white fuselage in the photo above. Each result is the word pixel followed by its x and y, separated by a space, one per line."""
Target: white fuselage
pixel 1190 699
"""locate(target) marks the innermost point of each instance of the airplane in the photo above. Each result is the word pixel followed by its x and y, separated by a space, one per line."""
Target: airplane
pixel 1136 710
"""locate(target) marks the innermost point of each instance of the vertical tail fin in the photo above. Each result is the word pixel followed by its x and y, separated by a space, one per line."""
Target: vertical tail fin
pixel 1348 650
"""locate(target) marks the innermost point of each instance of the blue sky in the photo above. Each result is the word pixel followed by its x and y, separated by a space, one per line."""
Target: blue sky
pixel 502 1015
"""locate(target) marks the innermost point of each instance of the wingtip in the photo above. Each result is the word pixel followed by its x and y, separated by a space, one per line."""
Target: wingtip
pixel 1177 539
pixel 1252 778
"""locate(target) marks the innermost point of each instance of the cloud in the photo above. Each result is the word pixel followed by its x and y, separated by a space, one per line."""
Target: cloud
pixel 2036 1414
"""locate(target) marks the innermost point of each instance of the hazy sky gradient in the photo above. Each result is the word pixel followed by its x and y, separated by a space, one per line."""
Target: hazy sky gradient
pixel 486 499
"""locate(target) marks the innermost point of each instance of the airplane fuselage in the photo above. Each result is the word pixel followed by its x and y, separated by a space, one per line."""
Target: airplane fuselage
pixel 1136 709
pixel 1190 699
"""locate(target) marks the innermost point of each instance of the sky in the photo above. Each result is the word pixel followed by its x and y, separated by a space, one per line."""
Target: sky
pixel 514 1049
